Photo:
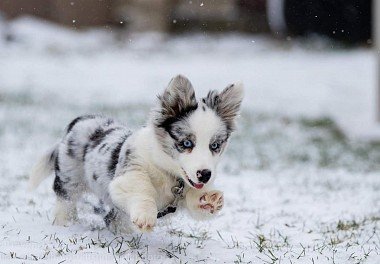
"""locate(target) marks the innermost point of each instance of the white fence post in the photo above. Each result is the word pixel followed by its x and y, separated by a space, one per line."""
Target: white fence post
pixel 376 38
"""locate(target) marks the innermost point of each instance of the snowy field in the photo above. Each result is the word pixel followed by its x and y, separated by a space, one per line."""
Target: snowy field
pixel 300 186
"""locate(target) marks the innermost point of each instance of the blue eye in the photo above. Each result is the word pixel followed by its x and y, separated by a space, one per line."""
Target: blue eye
pixel 214 146
pixel 187 144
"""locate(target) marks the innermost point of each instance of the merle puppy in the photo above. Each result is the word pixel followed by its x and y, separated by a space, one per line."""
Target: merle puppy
pixel 145 174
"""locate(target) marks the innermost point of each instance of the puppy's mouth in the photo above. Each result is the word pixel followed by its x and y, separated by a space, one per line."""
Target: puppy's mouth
pixel 195 185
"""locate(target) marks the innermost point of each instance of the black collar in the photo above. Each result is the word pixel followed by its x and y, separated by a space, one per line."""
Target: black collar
pixel 177 191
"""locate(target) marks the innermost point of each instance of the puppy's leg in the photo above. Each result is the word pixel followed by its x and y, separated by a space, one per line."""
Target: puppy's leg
pixel 134 193
pixel 118 222
pixel 65 208
pixel 70 158
pixel 68 189
pixel 65 211
pixel 204 204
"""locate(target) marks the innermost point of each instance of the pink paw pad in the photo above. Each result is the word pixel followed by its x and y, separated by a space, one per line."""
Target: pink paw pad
pixel 211 201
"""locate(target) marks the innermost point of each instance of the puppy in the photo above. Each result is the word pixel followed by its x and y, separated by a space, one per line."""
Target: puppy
pixel 144 175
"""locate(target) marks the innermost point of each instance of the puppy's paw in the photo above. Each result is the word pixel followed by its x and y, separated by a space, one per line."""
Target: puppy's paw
pixel 211 202
pixel 144 221
pixel 64 215
pixel 64 220
pixel 61 221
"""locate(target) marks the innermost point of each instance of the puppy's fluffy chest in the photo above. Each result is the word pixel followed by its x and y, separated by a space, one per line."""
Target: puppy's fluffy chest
pixel 163 182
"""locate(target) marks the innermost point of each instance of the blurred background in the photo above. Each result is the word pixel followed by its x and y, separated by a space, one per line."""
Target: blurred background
pixel 303 166
pixel 349 21
pixel 309 66
pixel 286 51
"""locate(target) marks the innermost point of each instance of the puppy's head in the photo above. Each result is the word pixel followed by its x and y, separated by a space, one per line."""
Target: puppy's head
pixel 195 133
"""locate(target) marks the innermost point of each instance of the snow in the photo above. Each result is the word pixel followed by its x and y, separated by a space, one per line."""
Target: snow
pixel 297 189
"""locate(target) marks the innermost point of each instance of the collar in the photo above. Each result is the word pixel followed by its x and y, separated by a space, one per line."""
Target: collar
pixel 177 191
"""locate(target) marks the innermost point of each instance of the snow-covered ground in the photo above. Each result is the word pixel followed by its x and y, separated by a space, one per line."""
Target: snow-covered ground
pixel 298 188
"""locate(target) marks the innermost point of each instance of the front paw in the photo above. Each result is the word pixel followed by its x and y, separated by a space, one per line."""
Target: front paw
pixel 211 202
pixel 144 220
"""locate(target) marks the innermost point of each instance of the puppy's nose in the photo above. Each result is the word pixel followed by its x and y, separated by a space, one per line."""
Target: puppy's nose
pixel 204 175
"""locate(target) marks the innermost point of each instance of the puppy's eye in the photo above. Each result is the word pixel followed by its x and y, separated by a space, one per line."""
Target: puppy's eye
pixel 188 144
pixel 214 146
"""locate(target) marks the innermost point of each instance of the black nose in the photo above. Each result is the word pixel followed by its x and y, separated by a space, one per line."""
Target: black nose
pixel 204 175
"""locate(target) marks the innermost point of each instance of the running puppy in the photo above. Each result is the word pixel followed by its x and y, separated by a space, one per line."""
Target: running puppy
pixel 144 175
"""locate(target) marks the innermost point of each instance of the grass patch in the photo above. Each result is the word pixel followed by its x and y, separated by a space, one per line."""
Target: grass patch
pixel 345 226
pixel 265 141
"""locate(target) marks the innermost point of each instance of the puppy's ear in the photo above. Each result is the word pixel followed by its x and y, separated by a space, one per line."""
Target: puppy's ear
pixel 178 98
pixel 227 103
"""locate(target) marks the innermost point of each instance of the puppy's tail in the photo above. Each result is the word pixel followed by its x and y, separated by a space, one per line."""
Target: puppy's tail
pixel 43 168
